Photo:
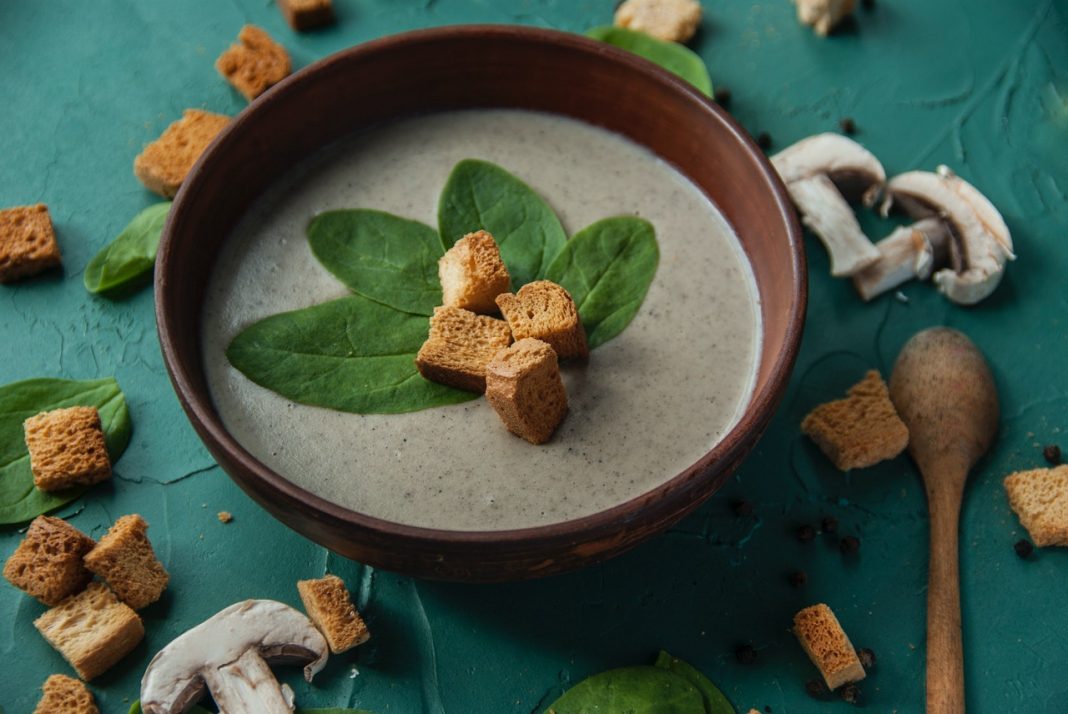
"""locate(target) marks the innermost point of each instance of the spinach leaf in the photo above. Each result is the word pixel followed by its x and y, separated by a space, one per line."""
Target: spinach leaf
pixel 672 56
pixel 128 259
pixel 388 259
pixel 483 196
pixel 715 701
pixel 350 354
pixel 635 690
pixel 607 267
pixel 20 500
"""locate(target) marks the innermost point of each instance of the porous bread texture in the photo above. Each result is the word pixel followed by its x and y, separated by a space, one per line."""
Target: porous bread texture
pixel 860 430
pixel 826 644
pixel 255 63
pixel 668 20
pixel 164 164
pixel 823 15
pixel 1040 499
pixel 524 387
pixel 472 274
pixel 330 608
pixel 27 242
pixel 307 14
pixel 459 346
pixel 125 559
pixel 47 564
pixel 92 630
pixel 67 448
pixel 65 695
pixel 545 311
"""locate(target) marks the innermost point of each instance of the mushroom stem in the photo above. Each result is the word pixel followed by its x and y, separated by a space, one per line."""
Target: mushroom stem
pixel 829 216
pixel 908 252
pixel 247 686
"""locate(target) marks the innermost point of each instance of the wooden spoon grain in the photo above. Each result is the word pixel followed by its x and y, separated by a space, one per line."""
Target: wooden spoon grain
pixel 943 390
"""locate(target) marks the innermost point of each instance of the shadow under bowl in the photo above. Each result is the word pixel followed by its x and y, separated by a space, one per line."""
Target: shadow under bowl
pixel 461 68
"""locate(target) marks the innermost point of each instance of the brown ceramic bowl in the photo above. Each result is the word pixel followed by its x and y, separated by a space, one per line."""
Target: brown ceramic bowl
pixel 464 67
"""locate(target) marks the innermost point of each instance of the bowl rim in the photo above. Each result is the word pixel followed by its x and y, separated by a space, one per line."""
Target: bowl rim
pixel 601 524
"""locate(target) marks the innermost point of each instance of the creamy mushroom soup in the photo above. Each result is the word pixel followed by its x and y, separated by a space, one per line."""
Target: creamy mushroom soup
pixel 648 404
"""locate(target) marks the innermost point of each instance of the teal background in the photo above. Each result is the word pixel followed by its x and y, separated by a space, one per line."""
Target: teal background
pixel 979 86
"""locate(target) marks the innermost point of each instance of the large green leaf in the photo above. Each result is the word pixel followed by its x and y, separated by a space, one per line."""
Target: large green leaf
pixel 607 267
pixel 20 500
pixel 483 196
pixel 128 259
pixel 671 56
pixel 350 354
pixel 715 701
pixel 388 259
pixel 631 690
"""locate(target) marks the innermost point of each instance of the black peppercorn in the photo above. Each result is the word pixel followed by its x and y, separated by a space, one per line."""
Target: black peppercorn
pixel 1052 454
pixel 868 4
pixel 849 544
pixel 829 524
pixel 1023 548
pixel 866 657
pixel 742 508
pixel 816 688
pixel 722 97
pixel 805 533
pixel 850 693
pixel 798 578
pixel 745 654
pixel 764 140
pixel 848 125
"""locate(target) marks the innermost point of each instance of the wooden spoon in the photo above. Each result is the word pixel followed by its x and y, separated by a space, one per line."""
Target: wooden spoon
pixel 943 390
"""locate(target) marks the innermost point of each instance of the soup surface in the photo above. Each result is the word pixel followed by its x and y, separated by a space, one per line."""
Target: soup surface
pixel 648 404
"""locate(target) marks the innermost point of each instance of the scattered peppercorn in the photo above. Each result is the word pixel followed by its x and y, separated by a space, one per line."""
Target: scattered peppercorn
pixel 866 657
pixel 816 688
pixel 798 578
pixel 805 533
pixel 848 125
pixel 745 654
pixel 767 708
pixel 742 508
pixel 722 97
pixel 1052 454
pixel 850 693
pixel 829 524
pixel 868 4
pixel 1023 548
pixel 849 544
pixel 764 140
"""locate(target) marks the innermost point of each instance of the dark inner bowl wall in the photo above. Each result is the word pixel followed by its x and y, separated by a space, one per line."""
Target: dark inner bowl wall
pixel 427 72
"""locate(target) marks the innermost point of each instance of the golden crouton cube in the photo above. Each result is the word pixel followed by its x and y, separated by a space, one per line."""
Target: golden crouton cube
pixel 27 242
pixel 472 274
pixel 67 448
pixel 668 20
pixel 164 164
pixel 65 695
pixel 125 559
pixel 47 564
pixel 255 63
pixel 307 14
pixel 329 606
pixel 1040 499
pixel 826 644
pixel 460 345
pixel 524 387
pixel 545 311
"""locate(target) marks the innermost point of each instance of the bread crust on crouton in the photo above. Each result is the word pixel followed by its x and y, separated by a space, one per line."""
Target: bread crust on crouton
pixel 255 63
pixel 305 15
pixel 164 164
pixel 459 346
pixel 67 448
pixel 330 608
pixel 1040 499
pixel 828 646
pixel 524 387
pixel 65 695
pixel 125 559
pixel 545 311
pixel 27 242
pixel 472 274
pixel 47 564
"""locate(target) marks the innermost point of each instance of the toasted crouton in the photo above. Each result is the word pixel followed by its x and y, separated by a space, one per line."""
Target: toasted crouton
pixel 1040 499
pixel 459 346
pixel 826 644
pixel 823 15
pixel 164 163
pixel 255 63
pixel 27 242
pixel 67 448
pixel 524 387
pixel 472 274
pixel 545 311
pixel 329 606
pixel 125 559
pixel 47 564
pixel 668 20
pixel 862 429
pixel 92 630
pixel 307 14
pixel 65 695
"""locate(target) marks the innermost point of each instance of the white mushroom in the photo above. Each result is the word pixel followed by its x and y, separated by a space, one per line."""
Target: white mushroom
pixel 822 173
pixel 908 252
pixel 227 654
pixel 980 241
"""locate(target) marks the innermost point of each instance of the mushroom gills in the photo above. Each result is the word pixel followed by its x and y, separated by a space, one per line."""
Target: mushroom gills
pixel 830 217
pixel 909 252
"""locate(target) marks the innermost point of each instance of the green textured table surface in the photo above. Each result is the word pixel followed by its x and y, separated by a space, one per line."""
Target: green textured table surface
pixel 980 86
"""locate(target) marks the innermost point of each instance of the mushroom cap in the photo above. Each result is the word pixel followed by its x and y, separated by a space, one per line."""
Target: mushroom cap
pixel 173 681
pixel 981 243
pixel 854 170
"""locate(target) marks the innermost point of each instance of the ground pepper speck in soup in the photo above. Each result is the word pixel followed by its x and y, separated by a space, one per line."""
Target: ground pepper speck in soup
pixel 648 404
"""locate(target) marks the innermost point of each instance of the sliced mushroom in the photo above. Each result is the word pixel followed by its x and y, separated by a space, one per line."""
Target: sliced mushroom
pixel 227 654
pixel 908 252
pixel 822 173
pixel 980 241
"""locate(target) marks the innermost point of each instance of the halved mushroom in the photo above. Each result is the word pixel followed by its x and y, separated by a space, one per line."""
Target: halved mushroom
pixel 822 173
pixel 908 252
pixel 980 242
pixel 227 654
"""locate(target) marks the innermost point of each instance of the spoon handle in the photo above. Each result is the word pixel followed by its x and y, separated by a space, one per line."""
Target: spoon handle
pixel 945 651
